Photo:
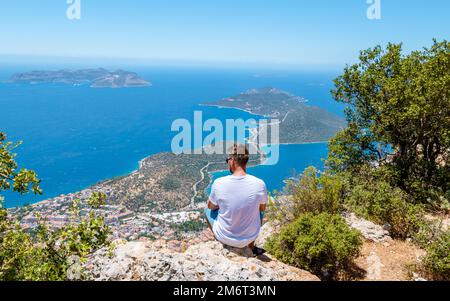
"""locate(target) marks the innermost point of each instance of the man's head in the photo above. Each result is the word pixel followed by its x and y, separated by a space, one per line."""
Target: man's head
pixel 238 156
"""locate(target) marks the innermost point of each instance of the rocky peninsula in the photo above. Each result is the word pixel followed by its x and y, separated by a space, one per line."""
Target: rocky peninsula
pixel 298 122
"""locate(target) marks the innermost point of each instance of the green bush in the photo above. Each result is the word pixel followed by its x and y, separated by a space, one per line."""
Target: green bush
pixel 47 255
pixel 437 261
pixel 323 244
pixel 311 194
pixel 378 201
pixel 429 231
pixel 366 192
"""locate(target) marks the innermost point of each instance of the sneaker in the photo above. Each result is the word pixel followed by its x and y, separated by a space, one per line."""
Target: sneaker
pixel 258 251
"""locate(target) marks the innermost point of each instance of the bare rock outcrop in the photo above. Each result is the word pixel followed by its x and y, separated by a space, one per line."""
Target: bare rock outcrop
pixel 370 231
pixel 209 261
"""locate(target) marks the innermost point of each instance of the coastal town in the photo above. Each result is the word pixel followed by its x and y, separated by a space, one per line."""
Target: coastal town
pixel 124 223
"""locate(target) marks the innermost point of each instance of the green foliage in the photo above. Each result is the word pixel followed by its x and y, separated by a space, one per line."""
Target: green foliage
pixel 366 192
pixel 347 150
pixel 97 200
pixel 429 231
pixel 388 165
pixel 375 199
pixel 437 261
pixel 399 115
pixel 312 193
pixel 323 244
pixel 21 181
pixel 190 226
pixel 318 194
pixel 44 254
pixel 47 255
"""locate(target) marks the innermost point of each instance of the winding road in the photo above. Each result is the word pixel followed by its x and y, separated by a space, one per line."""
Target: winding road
pixel 194 187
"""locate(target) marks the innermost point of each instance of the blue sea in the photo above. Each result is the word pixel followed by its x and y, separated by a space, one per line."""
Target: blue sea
pixel 74 137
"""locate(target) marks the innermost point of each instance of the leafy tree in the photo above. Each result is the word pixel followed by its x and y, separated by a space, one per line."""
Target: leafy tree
pixel 399 115
pixel 45 254
pixel 21 181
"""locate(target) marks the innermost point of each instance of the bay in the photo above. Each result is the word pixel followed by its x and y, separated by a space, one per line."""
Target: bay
pixel 77 136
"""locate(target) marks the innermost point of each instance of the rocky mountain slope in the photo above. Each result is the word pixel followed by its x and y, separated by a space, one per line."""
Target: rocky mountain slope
pixel 202 258
pixel 205 261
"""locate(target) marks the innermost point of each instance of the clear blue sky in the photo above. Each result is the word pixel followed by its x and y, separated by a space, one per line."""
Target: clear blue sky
pixel 282 32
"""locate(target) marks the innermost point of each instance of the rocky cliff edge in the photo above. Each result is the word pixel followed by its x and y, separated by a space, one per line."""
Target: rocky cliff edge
pixel 208 261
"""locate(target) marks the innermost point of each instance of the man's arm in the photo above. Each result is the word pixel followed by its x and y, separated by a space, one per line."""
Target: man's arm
pixel 212 206
pixel 212 201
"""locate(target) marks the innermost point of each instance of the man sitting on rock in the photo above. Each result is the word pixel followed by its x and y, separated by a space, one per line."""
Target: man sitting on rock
pixel 237 204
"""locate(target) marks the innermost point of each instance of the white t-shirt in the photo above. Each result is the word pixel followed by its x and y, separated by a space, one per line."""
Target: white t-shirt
pixel 239 222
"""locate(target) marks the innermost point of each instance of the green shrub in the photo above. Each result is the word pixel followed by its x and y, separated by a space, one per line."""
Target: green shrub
pixel 311 194
pixel 429 231
pixel 437 261
pixel 397 112
pixel 323 244
pixel 378 201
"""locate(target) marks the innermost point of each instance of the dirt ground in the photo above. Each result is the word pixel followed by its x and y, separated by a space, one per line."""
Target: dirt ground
pixel 388 261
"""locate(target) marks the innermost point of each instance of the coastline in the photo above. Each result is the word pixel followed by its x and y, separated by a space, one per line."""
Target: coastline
pixel 305 143
pixel 141 163
pixel 232 108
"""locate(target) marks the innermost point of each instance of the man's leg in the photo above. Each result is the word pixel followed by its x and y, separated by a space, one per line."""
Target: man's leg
pixel 257 251
pixel 261 216
pixel 211 217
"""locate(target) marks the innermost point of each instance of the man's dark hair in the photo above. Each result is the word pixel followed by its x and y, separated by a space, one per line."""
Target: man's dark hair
pixel 240 154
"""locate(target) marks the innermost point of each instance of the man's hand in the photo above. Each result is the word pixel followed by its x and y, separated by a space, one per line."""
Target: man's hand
pixel 262 207
pixel 212 206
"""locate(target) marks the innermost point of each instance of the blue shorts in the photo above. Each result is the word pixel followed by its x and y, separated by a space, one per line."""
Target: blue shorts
pixel 212 215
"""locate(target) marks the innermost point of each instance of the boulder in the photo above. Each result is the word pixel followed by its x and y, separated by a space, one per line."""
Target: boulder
pixel 370 231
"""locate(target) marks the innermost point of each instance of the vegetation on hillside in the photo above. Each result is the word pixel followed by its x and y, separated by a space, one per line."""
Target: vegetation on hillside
pixel 391 164
pixel 398 110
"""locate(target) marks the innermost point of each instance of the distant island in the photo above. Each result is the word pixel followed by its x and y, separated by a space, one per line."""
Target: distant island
pixel 299 122
pixel 95 78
